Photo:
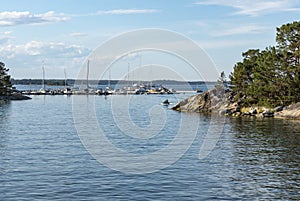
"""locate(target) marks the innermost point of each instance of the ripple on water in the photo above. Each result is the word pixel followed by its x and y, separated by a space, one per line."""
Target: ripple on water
pixel 42 158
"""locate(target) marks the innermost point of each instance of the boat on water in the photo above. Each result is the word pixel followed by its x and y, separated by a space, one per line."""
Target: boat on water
pixel 141 91
pixel 199 91
pixel 43 90
pixel 166 102
pixel 67 91
pixel 108 91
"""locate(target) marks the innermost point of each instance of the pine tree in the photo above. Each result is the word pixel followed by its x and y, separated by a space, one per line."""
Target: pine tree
pixel 5 82
pixel 270 77
pixel 242 76
pixel 288 40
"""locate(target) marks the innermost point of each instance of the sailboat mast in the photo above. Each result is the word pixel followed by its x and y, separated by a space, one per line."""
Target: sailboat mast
pixel 128 69
pixel 43 81
pixel 140 66
pixel 65 77
pixel 87 74
pixel 109 77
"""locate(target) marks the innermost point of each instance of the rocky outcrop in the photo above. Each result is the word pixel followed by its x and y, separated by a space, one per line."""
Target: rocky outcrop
pixel 222 102
pixel 290 112
pixel 215 100
pixel 15 96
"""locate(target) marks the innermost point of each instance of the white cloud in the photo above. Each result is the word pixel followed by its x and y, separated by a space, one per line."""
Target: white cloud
pixel 7 32
pixel 5 37
pixel 222 44
pixel 25 60
pixel 255 7
pixel 292 9
pixel 14 18
pixel 241 29
pixel 38 48
pixel 77 34
pixel 126 11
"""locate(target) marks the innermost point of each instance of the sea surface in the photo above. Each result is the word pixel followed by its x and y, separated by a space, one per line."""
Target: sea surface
pixel 42 157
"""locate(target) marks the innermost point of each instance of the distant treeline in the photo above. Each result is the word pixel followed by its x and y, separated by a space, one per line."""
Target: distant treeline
pixel 56 82
pixel 71 82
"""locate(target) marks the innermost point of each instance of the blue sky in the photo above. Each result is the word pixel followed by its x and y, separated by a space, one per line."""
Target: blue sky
pixel 62 33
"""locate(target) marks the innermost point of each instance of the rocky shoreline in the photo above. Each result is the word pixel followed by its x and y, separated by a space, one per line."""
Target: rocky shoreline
pixel 15 96
pixel 222 102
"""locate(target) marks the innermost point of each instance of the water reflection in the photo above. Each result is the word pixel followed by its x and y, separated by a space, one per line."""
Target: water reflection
pixel 266 157
pixel 43 157
pixel 4 119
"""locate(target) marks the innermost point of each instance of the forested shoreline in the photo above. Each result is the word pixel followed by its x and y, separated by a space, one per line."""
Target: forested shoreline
pixel 7 91
pixel 5 81
pixel 270 77
pixel 266 83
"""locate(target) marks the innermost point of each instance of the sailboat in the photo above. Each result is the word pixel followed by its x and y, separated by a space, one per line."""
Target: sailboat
pixel 88 89
pixel 87 76
pixel 108 90
pixel 67 90
pixel 43 90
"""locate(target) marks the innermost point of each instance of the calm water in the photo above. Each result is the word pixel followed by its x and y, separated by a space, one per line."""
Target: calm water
pixel 42 157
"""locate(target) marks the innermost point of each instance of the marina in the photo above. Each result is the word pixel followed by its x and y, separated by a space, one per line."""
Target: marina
pixel 103 91
pixel 108 87
pixel 142 89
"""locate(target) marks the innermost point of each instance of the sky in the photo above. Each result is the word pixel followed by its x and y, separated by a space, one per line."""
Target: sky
pixel 61 34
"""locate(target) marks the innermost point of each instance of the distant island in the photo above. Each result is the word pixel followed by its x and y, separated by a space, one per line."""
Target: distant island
pixel 71 82
pixel 265 83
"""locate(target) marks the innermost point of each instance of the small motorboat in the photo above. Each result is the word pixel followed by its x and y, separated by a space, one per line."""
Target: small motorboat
pixel 166 102
pixel 199 91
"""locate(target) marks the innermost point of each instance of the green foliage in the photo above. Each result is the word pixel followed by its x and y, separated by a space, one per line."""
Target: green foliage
pixel 222 78
pixel 222 83
pixel 5 83
pixel 270 77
